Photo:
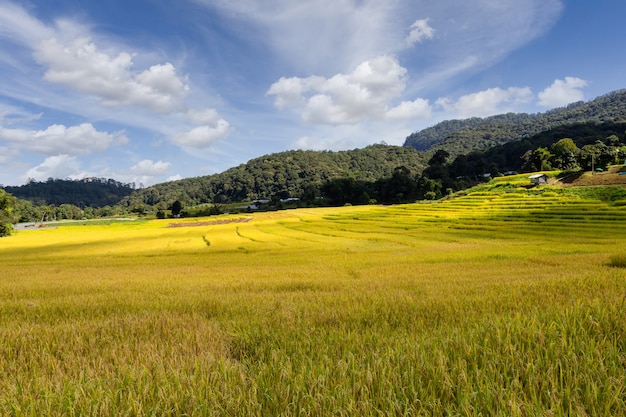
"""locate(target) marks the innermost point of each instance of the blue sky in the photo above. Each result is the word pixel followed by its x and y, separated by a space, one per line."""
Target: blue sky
pixel 147 91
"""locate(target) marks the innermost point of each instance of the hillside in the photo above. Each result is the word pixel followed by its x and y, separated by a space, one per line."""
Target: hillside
pixel 510 156
pixel 87 192
pixel 290 173
pixel 462 136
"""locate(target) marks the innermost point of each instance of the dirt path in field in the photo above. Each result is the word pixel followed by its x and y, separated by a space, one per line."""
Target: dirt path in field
pixel 213 223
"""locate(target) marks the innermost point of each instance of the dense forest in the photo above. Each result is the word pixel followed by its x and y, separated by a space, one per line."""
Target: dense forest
pixel 462 136
pixel 87 192
pixel 287 174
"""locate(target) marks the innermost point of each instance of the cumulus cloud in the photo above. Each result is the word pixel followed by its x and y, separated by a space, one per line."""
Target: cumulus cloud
pixel 147 167
pixel 487 102
pixel 57 166
pixel 562 92
pixel 81 66
pixel 365 93
pixel 417 109
pixel 203 136
pixel 420 30
pixel 59 139
pixel 144 173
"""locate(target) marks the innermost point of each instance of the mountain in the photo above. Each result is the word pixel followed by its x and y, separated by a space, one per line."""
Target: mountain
pixel 87 192
pixel 290 174
pixel 462 136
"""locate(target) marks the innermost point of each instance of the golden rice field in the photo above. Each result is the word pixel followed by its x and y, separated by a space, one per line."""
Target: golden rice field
pixel 509 304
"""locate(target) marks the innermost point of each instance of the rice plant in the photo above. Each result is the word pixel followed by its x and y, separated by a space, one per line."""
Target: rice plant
pixel 487 304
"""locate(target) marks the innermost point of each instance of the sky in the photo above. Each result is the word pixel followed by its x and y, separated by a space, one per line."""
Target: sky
pixel 149 91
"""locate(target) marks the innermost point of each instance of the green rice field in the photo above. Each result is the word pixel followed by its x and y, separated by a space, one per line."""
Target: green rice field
pixel 508 303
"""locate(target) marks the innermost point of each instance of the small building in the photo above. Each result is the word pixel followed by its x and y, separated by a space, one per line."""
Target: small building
pixel 538 179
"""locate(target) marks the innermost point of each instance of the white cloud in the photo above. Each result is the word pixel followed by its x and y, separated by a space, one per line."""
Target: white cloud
pixel 203 116
pixel 420 30
pixel 57 166
pixel 487 102
pixel 58 139
pixel 417 109
pixel 291 91
pixel 562 92
pixel 203 136
pixel 350 98
pixel 144 173
pixel 81 66
pixel 147 167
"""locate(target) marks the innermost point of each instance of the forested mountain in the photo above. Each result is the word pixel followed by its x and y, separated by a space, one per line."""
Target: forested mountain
pixel 569 148
pixel 87 192
pixel 288 174
pixel 462 136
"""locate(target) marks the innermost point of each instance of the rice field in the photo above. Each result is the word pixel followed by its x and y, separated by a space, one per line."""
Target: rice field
pixel 510 303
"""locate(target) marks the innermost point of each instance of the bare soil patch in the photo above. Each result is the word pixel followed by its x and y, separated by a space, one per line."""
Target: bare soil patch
pixel 610 177
pixel 212 223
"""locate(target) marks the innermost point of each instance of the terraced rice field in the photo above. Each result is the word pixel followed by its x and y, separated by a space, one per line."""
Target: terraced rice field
pixel 491 303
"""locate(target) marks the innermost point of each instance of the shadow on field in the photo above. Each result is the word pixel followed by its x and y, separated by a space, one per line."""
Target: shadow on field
pixel 571 177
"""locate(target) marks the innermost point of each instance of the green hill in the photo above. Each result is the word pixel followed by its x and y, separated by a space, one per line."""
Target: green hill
pixel 290 174
pixel 462 136
pixel 87 192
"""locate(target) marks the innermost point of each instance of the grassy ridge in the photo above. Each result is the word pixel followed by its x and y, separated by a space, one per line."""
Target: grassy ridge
pixel 505 302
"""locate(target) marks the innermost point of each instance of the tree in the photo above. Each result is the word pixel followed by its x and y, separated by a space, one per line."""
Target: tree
pixel 598 155
pixel 428 189
pixel 341 191
pixel 177 207
pixel 565 154
pixel 400 188
pixel 538 160
pixel 439 158
pixel 7 204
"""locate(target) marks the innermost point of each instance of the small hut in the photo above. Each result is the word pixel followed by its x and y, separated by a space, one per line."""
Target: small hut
pixel 538 179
